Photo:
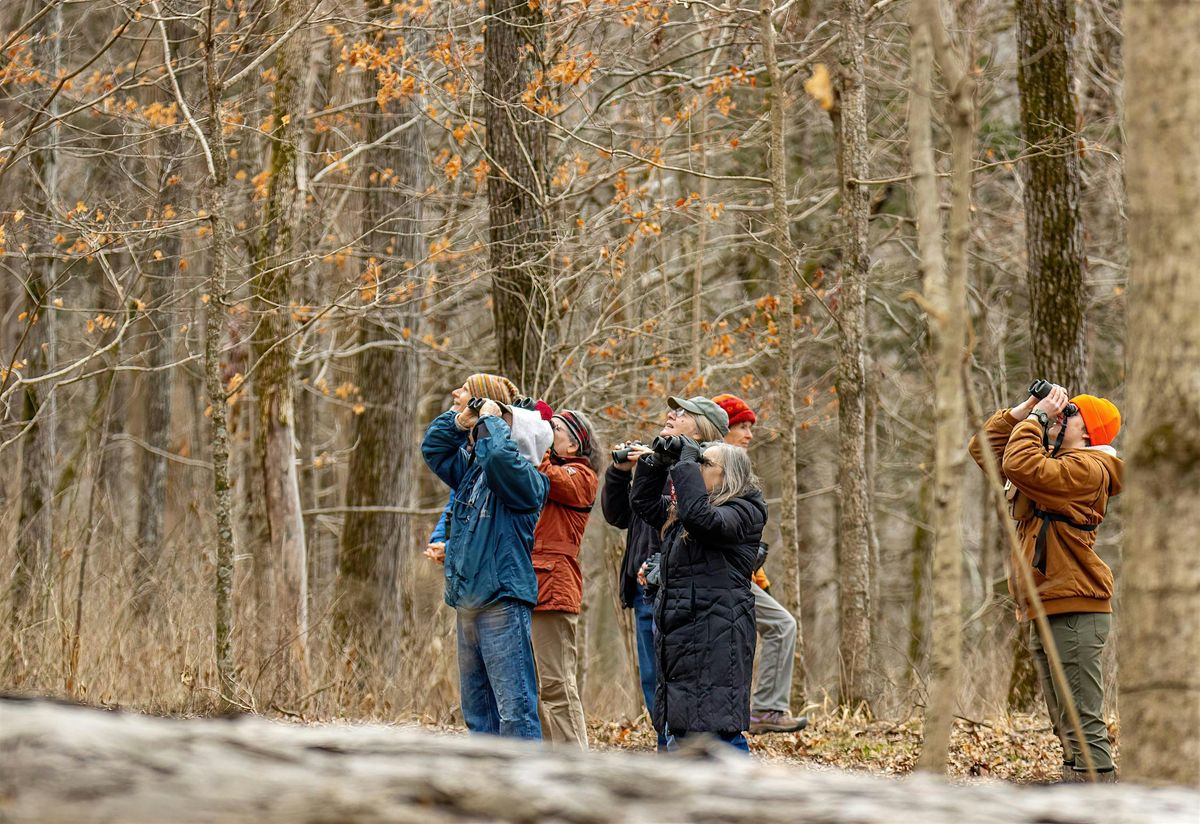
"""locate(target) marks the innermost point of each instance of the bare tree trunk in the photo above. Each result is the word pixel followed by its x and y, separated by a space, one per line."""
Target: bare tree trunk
pixel 376 546
pixel 159 379
pixel 1053 227
pixel 275 348
pixel 786 256
pixel 1160 668
pixel 854 550
pixel 30 583
pixel 215 200
pixel 520 242
pixel 921 551
pixel 945 281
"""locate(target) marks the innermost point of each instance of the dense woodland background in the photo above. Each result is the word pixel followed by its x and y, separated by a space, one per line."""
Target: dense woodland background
pixel 249 248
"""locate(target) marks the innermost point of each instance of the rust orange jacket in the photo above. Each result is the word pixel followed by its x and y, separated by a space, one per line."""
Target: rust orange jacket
pixel 573 485
pixel 1076 485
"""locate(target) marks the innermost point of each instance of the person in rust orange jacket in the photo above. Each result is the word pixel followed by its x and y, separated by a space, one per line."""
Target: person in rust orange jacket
pixel 1059 495
pixel 570 464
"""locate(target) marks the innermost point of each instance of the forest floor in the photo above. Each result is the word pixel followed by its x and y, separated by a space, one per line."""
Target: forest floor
pixel 1021 748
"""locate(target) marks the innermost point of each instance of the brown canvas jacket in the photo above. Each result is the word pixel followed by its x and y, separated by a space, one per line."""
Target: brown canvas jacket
pixel 1077 483
pixel 559 532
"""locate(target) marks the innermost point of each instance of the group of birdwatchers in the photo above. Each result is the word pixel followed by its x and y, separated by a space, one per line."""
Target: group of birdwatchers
pixel 524 479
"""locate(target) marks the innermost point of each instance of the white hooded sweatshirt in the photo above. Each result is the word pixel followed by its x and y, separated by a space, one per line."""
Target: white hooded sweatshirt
pixel 532 435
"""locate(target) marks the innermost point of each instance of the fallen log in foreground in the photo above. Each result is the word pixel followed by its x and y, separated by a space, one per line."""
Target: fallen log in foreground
pixel 64 763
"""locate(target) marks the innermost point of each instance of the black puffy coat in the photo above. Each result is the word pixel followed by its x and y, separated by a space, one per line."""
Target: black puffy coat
pixel 704 613
pixel 641 539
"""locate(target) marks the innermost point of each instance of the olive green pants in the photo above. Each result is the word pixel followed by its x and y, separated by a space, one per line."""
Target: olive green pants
pixel 1079 638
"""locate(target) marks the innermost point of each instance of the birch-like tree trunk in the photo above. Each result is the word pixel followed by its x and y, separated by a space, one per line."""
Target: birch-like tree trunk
pixel 785 256
pixel 944 278
pixel 274 346
pixel 854 549
pixel 35 519
pixel 162 273
pixel 518 229
pixel 1160 636
pixel 1053 226
pixel 375 546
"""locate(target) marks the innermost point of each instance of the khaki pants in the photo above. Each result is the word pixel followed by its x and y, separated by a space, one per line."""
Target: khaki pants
pixel 1079 638
pixel 555 649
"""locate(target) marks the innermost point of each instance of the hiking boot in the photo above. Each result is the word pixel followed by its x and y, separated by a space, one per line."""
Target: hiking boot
pixel 776 721
pixel 1069 775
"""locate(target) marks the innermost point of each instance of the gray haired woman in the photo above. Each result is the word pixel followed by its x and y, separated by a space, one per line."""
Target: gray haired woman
pixel 704 612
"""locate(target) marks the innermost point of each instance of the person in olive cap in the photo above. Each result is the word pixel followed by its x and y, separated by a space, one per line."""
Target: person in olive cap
pixel 1058 496
pixel 702 420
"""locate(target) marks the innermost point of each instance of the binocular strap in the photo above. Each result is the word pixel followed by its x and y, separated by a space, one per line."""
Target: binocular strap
pixel 1039 555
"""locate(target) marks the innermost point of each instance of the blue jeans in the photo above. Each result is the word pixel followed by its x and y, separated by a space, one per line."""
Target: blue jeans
pixel 733 739
pixel 497 678
pixel 643 610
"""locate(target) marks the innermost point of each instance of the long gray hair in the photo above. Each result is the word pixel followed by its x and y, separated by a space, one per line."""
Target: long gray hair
pixel 738 477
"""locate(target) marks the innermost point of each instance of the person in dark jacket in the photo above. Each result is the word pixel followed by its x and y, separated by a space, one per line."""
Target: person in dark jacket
pixel 702 420
pixel 704 610
pixel 491 464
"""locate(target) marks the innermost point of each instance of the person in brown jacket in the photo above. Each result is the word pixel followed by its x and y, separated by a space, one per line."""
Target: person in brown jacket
pixel 570 466
pixel 1059 496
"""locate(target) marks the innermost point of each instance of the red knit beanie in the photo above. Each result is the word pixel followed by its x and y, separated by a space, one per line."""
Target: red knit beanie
pixel 736 408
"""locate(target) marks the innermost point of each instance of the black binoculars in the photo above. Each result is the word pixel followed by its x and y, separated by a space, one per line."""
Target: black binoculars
pixel 1041 388
pixel 670 446
pixel 622 455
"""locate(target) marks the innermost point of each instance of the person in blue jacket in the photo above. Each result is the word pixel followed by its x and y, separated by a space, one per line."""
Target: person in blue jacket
pixel 489 459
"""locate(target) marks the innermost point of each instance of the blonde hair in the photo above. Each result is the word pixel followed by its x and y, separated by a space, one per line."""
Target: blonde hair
pixel 706 429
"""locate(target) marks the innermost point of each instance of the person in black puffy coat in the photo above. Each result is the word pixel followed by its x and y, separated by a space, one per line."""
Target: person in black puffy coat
pixel 704 611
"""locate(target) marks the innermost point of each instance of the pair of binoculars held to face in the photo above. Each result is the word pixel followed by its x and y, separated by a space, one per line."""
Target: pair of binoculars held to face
pixel 1041 388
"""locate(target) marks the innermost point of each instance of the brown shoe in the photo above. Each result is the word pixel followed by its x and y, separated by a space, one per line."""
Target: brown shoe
pixel 776 721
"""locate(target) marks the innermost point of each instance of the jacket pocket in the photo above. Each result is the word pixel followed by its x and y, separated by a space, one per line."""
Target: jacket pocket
pixel 543 567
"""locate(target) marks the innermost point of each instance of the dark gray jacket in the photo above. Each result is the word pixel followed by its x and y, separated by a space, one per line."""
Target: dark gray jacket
pixel 641 539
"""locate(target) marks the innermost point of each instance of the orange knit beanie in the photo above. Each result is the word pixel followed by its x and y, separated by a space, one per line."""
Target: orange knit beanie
pixel 1100 418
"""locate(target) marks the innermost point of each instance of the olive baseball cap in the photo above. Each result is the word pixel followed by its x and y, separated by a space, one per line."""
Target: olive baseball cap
pixel 705 408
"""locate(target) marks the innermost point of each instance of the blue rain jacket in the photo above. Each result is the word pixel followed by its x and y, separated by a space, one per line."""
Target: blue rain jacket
pixel 498 498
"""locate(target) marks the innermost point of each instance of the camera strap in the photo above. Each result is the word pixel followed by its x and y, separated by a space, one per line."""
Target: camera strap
pixel 1062 431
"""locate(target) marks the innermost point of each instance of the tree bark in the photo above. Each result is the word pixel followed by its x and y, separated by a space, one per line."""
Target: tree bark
pixel 786 257
pixel 68 763
pixel 35 519
pixel 375 546
pixel 1053 226
pixel 854 551
pixel 944 278
pixel 274 345
pixel 1160 667
pixel 520 242
pixel 215 200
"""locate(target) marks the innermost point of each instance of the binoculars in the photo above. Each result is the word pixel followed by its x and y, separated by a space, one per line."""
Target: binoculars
pixel 622 455
pixel 1041 388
